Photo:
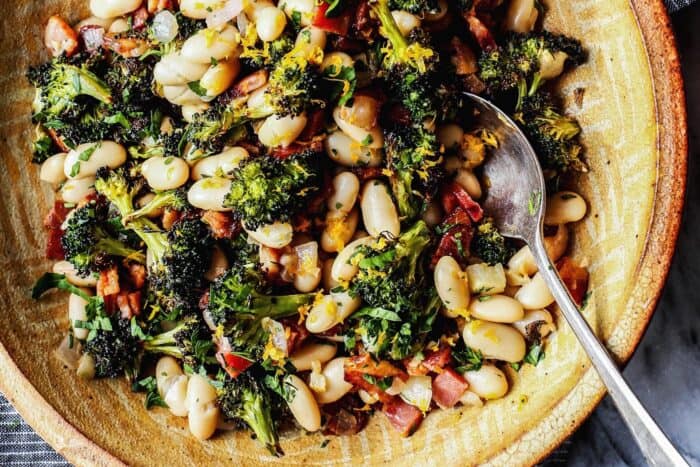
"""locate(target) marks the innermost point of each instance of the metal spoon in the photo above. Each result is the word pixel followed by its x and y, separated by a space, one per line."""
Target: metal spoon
pixel 516 198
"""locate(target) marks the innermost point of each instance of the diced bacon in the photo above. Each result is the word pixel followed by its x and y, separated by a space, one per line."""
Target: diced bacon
pixel 454 195
pixel 129 304
pixel 108 283
pixel 481 33
pixel 358 381
pixel 404 417
pixel 170 216
pixel 314 124
pixel 343 417
pixel 434 361
pixel 248 84
pixel 448 388
pixel 140 18
pixel 363 25
pixel 463 58
pixel 364 364
pixel 60 38
pixel 57 216
pixel 575 277
pixel 57 140
pixel 222 224
pixel 297 333
pixel 137 275
pixel 53 221
pixel 346 44
pixel 367 173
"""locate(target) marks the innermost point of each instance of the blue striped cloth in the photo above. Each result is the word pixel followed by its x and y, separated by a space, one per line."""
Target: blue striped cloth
pixel 20 446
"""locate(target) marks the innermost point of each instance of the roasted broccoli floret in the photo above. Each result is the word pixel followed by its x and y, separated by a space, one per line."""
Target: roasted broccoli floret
pixel 189 341
pixel 265 190
pixel 163 144
pixel 258 54
pixel 88 243
pixel 409 64
pixel 180 256
pixel 527 60
pixel 554 136
pixel 417 7
pixel 59 86
pixel 239 306
pixel 415 163
pixel 401 301
pixel 113 347
pixel 246 399
pixel 489 245
pixel 294 83
pixel 171 199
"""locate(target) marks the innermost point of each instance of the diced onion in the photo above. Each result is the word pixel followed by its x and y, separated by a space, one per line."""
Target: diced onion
pixel 277 334
pixel 307 258
pixel 165 27
pixel 418 391
pixel 242 22
pixel 223 15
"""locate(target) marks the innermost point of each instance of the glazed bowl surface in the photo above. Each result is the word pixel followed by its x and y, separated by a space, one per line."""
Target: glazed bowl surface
pixel 633 118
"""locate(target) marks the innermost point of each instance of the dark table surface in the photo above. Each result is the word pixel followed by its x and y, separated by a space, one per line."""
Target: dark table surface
pixel 665 370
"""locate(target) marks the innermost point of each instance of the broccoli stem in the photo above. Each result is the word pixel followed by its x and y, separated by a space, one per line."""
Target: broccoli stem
pixel 389 27
pixel 114 247
pixel 165 343
pixel 258 416
pixel 161 200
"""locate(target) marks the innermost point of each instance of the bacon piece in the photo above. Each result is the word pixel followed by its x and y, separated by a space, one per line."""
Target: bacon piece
pixel 454 195
pixel 363 25
pixel 295 148
pixel 575 277
pixel 60 38
pixel 404 417
pixel 455 242
pixel 435 361
pixel 343 416
pixel 481 33
pixel 139 18
pixel 137 275
pixel 367 173
pixel 297 333
pixel 448 388
pixel 222 224
pixel 129 304
pixel 314 125
pixel 53 221
pixel 358 381
pixel 57 140
pixel 463 58
pixel 108 283
pixel 364 364
pixel 127 47
pixel 248 84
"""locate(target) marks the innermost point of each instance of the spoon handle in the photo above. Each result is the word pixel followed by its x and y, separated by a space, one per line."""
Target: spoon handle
pixel 654 444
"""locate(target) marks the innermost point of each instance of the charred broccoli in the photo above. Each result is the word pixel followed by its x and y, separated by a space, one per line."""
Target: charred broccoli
pixel 113 347
pixel 266 189
pixel 417 7
pixel 400 296
pixel 87 240
pixel 489 245
pixel 189 341
pixel 171 199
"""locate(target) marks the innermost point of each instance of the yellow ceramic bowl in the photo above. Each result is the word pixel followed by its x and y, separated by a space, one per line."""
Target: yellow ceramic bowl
pixel 633 119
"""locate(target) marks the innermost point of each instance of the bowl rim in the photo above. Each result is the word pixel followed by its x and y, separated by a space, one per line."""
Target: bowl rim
pixel 660 45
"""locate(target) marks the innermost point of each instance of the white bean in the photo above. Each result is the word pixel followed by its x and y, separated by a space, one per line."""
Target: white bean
pixel 342 270
pixel 556 244
pixel 203 419
pixel 452 286
pixel 338 60
pixel 535 294
pixel 336 386
pixel 366 397
pixel 564 207
pixel 208 44
pixel 199 391
pixel 467 180
pixel 74 191
pixel 181 94
pixel 378 210
pixel 537 322
pixel 209 194
pixel 167 369
pixel 328 282
pixel 521 16
pixel 488 382
pixel 346 303
pixel 198 9
pixel 450 135
pixel 67 269
pixel 277 235
pixel 405 21
pixel 270 23
pixel 345 151
pixel 86 366
pixel 176 394
pixel 165 173
pixel 78 312
pixel 305 8
pixel 174 70
pixel 311 39
pixel 439 14
pixel 520 267
pixel 306 281
pixel 494 340
pixel 281 131
pixel 373 139
pixel 340 228
pixel 119 26
pixel 552 65
pixel 220 77
pixel 220 165
pixel 323 315
pixel 305 356
pixel 253 8
pixel 52 169
pixel 471 399
pixel 485 279
pixel 346 187
pixel 304 406
pixel 86 159
pixel 496 308
pixel 190 111
pixel 113 8
pixel 218 265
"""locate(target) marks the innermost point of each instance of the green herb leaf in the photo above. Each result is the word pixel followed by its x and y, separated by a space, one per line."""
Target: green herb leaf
pixel 197 88
pixel 534 355
pixel 468 359
pixel 149 385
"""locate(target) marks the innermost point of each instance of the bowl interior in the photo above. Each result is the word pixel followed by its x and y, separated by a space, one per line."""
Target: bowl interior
pixel 621 132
